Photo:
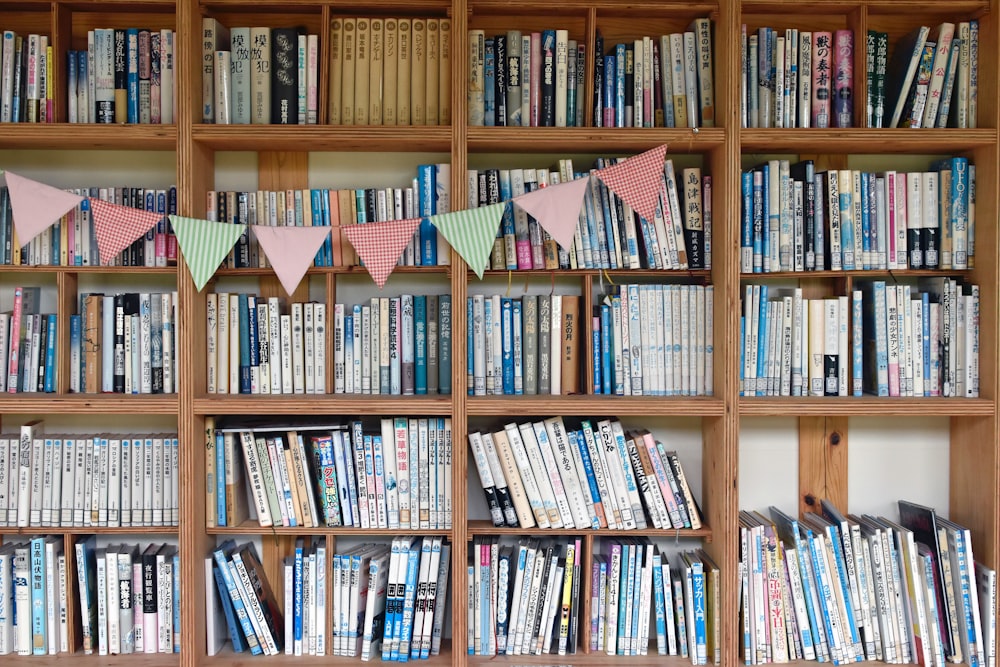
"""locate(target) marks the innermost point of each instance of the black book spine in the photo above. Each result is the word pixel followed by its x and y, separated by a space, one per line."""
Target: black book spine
pixel 121 76
pixel 371 208
pixel 500 79
pixel 119 350
pixel 629 84
pixel 284 76
pixel 42 351
pixel 598 79
pixel 831 384
pixel 149 599
pixel 547 117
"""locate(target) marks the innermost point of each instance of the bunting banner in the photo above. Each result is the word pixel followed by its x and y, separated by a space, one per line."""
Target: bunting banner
pixel 379 244
pixel 116 226
pixel 471 233
pixel 290 250
pixel 36 206
pixel 204 244
pixel 556 208
pixel 638 180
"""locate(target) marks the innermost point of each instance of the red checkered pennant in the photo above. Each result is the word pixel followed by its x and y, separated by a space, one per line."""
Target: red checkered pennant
pixel 379 244
pixel 116 226
pixel 638 180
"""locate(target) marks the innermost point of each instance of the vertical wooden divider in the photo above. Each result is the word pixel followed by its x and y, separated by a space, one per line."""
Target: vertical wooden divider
pixel 822 462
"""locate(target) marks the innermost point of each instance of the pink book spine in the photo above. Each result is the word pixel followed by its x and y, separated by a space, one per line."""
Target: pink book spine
pixel 15 342
pixel 536 77
pixel 137 614
pixel 523 254
pixel 901 222
pixel 890 218
pixel 822 63
pixel 844 98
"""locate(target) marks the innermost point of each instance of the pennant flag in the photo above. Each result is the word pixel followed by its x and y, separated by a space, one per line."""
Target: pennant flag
pixel 638 180
pixel 204 244
pixel 556 208
pixel 36 206
pixel 379 244
pixel 471 232
pixel 116 226
pixel 290 250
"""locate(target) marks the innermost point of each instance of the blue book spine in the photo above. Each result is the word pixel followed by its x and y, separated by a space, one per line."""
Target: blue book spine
pixel 132 80
pixel 420 344
pixel 659 608
pixel 762 341
pixel 577 440
pixel 75 340
pixel 517 347
pixel 235 634
pixel 489 83
pixel 606 349
pixel 847 231
pixel 698 596
pixel 39 631
pixel 401 649
pixel 315 196
pixel 881 350
pixel 758 222
pixel 82 73
pixel 176 602
pixel 620 85
pixel 925 336
pixel 743 347
pixel 297 595
pixel 960 212
pixel 610 69
pixel 242 616
pixel 766 220
pixel 469 353
pixel 390 608
pixel 595 345
pixel 50 355
pixel 328 241
pixel 838 554
pixel 244 345
pixel 746 225
pixel 253 333
pixel 866 225
pixel 427 193
pixel 71 72
pixel 220 479
pixel 507 345
pixel 857 344
pixel 359 206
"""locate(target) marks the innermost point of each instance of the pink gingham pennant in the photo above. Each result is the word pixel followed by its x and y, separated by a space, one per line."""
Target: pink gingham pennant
pixel 379 244
pixel 116 226
pixel 637 180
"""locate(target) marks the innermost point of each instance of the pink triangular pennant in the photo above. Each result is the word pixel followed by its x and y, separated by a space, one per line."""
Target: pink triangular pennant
pixel 36 206
pixel 116 226
pixel 379 244
pixel 556 208
pixel 638 180
pixel 290 250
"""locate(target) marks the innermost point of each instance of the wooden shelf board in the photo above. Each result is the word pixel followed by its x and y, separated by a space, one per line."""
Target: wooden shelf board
pixel 326 404
pixel 593 139
pixel 147 659
pixel 597 659
pixel 89 530
pixel 873 274
pixel 69 136
pixel 484 527
pixel 251 527
pixel 861 140
pixel 670 7
pixel 76 404
pixel 226 658
pixel 309 138
pixel 596 405
pixel 866 406
pixel 416 7
pixel 956 8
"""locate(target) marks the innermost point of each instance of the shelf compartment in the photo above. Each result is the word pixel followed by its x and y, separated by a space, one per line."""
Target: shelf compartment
pixel 862 140
pixel 334 138
pixel 484 527
pixel 865 406
pixel 88 136
pixel 589 405
pixel 252 527
pixel 326 404
pixel 85 404
pixel 594 139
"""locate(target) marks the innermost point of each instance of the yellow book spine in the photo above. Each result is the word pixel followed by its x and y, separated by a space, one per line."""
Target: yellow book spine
pixel 389 70
pixel 336 71
pixel 376 58
pixel 349 55
pixel 432 72
pixel 418 72
pixel 362 55
pixel 404 76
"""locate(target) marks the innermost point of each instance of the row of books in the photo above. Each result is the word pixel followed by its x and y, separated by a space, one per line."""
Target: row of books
pixel 534 79
pixel 398 476
pixel 28 344
pixel 654 340
pixel 390 71
pixel 540 473
pixel 887 340
pixel 932 79
pixel 26 79
pixel 71 240
pixel 650 82
pixel 848 588
pixel 523 600
pixel 609 235
pixel 797 78
pixel 129 597
pixel 34 597
pixel 125 75
pixel 393 345
pixel 124 343
pixel 795 218
pixel 325 207
pixel 88 480
pixel 259 75
pixel 631 577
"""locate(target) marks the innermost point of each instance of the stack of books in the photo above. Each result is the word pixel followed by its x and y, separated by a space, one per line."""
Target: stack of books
pixel 540 473
pixel 34 597
pixel 853 588
pixel 26 79
pixel 28 343
pixel 333 474
pixel 129 597
pixel 248 602
pixel 125 75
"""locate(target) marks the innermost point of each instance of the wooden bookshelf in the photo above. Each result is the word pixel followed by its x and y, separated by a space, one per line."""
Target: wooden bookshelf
pixel 283 157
